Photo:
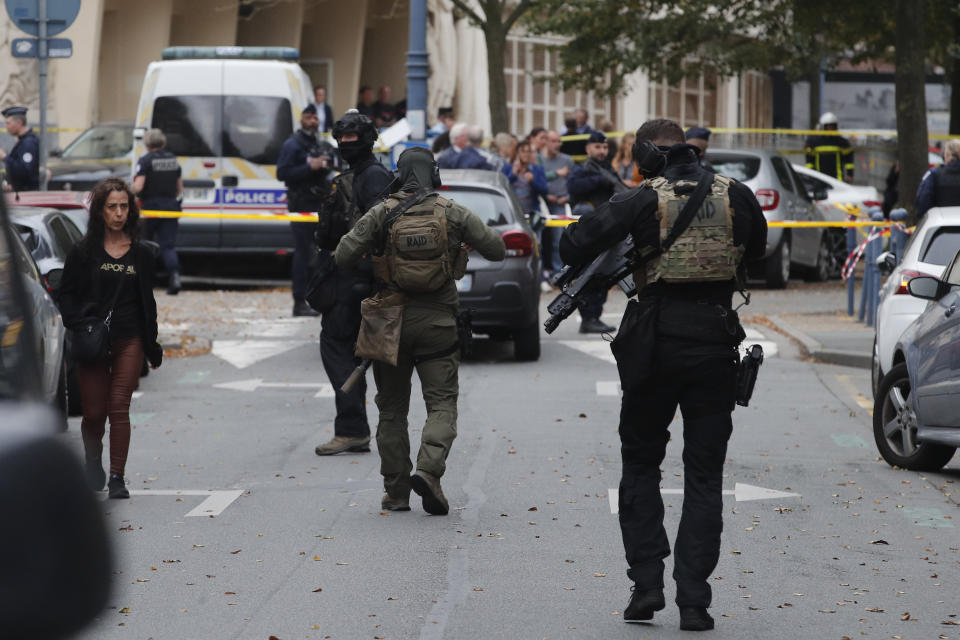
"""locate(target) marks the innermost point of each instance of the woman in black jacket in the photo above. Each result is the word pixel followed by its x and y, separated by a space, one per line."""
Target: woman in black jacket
pixel 110 273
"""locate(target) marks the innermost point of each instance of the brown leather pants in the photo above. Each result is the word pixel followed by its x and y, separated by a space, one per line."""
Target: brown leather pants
pixel 106 389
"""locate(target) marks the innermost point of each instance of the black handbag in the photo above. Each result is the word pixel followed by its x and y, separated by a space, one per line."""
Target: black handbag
pixel 91 336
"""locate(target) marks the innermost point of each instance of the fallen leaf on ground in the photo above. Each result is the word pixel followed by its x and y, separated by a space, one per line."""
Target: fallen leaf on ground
pixel 318 590
pixel 233 553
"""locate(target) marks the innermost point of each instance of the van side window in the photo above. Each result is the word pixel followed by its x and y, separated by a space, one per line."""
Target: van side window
pixel 190 123
pixel 255 127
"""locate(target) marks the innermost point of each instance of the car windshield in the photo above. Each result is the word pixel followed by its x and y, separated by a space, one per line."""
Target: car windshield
pixel 736 166
pixel 942 246
pixel 490 206
pixel 190 123
pixel 101 142
pixel 255 127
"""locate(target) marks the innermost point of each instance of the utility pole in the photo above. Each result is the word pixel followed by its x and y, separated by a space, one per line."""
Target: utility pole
pixel 418 69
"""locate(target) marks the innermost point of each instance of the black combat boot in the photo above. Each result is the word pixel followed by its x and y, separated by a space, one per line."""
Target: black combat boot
pixel 173 284
pixel 695 619
pixel 642 604
pixel 595 325
pixel 301 308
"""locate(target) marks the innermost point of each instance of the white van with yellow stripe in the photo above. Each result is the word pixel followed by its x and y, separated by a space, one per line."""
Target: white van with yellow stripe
pixel 225 112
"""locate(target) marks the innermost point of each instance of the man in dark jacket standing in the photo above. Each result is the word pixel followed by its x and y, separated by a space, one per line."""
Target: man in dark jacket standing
pixel 940 187
pixel 305 165
pixel 355 134
pixel 23 161
pixel 693 364
pixel 591 185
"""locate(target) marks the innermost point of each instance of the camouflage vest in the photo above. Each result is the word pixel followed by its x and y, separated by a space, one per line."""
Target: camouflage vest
pixel 704 251
pixel 417 252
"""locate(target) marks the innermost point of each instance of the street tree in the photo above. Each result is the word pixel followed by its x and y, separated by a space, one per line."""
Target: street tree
pixel 495 18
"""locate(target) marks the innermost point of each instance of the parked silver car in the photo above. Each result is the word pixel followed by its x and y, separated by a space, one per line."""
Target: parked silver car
pixel 916 424
pixel 503 297
pixel 782 196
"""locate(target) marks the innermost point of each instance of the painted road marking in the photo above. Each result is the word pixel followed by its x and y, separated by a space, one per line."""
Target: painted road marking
pixel 851 389
pixel 194 377
pixel 217 499
pixel 848 440
pixel 596 348
pixel 740 493
pixel 243 353
pixel 608 388
pixel 278 328
pixel 137 394
pixel 770 348
pixel 923 517
pixel 325 389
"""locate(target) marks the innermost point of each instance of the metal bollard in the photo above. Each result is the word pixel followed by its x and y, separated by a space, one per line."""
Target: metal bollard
pixel 852 280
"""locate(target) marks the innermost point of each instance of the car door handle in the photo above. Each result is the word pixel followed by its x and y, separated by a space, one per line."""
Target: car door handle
pixel 949 312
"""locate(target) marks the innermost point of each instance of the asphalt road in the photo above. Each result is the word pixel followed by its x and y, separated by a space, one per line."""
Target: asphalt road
pixel 531 548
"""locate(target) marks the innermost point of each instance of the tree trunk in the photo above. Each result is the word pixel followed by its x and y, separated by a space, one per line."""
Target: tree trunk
pixel 955 85
pixel 496 46
pixel 813 77
pixel 911 100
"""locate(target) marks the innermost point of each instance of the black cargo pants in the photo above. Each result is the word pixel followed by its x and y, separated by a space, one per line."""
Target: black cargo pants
pixel 700 379
pixel 338 337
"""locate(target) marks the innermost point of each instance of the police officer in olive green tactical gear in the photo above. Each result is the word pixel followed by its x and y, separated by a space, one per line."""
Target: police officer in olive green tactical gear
pixel 417 239
pixel 692 364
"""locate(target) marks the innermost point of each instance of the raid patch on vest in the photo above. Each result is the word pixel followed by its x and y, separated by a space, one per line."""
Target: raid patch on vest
pixel 712 213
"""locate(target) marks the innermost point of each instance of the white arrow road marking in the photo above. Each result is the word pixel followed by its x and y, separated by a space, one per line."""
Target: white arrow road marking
pixel 217 500
pixel 243 353
pixel 325 388
pixel 137 394
pixel 596 348
pixel 740 492
pixel 608 388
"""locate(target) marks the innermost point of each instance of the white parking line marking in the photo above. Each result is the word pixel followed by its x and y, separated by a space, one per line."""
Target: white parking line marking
pixel 325 388
pixel 740 492
pixel 243 353
pixel 608 388
pixel 217 499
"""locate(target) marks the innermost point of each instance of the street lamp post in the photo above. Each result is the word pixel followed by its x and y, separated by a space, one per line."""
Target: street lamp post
pixel 418 69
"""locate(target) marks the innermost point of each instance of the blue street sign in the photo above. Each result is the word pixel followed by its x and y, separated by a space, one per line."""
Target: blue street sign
pixel 60 15
pixel 30 47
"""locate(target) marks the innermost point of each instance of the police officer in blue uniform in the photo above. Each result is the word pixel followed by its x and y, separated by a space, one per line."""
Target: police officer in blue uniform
pixel 160 187
pixel 305 165
pixel 23 161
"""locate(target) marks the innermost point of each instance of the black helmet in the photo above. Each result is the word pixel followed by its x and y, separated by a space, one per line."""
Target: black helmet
pixel 355 122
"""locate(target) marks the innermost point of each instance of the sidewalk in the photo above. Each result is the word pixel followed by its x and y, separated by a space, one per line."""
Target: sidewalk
pixel 834 338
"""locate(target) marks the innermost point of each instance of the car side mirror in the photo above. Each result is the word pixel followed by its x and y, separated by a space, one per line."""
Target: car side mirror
pixel 818 194
pixel 926 287
pixel 886 262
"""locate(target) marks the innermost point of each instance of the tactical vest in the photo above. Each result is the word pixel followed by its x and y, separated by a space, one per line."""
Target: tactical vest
pixel 705 251
pixel 417 251
pixel 946 186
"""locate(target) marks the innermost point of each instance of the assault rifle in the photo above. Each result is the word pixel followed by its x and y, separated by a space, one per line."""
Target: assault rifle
pixel 614 266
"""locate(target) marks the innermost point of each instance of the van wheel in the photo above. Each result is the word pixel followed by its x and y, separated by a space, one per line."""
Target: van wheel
pixel 526 344
pixel 777 267
pixel 895 427
pixel 60 401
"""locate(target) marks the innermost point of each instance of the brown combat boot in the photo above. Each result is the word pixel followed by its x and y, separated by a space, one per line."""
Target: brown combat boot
pixel 339 444
pixel 427 486
pixel 389 503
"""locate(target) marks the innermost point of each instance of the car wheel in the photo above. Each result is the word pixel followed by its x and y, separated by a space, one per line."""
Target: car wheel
pixel 895 427
pixel 74 404
pixel 820 272
pixel 60 401
pixel 526 343
pixel 778 265
pixel 837 239
pixel 875 373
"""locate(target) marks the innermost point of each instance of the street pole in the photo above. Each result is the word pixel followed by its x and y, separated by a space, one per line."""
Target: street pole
pixel 42 54
pixel 418 69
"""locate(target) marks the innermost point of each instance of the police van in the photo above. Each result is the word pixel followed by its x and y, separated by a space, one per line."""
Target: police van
pixel 225 112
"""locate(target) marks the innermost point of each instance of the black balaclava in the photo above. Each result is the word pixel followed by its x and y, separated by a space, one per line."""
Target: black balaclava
pixel 416 169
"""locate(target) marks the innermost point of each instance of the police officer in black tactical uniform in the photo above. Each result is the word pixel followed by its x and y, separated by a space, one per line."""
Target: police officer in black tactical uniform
pixel 23 161
pixel 693 362
pixel 355 135
pixel 590 185
pixel 305 164
pixel 157 181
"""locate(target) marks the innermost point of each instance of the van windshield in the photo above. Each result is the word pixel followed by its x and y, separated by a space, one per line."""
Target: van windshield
pixel 249 127
pixel 255 127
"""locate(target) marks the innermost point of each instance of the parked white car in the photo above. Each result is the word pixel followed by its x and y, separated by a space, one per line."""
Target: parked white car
pixel 932 246
pixel 829 194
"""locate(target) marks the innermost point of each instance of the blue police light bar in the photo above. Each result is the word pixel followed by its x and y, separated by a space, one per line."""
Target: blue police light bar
pixel 242 53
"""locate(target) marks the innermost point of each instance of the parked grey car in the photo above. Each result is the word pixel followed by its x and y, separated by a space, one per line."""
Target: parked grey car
pixel 102 151
pixel 503 297
pixel 782 196
pixel 916 421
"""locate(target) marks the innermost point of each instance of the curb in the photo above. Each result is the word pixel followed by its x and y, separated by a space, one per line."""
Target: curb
pixel 815 350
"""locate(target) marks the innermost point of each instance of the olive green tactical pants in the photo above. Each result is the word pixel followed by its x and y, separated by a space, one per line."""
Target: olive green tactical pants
pixel 425 331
